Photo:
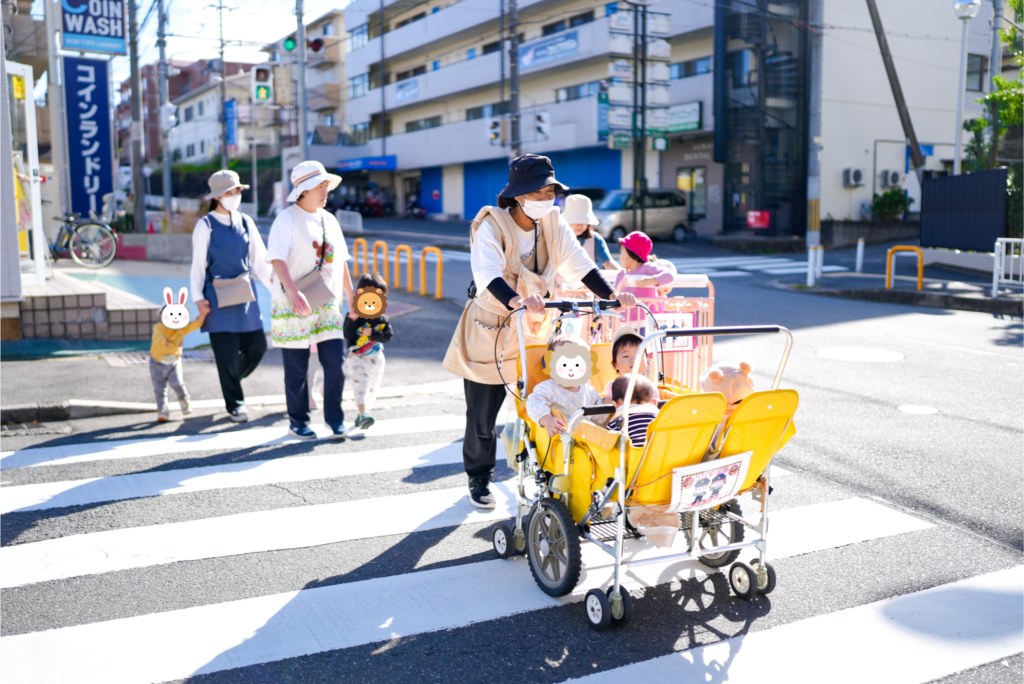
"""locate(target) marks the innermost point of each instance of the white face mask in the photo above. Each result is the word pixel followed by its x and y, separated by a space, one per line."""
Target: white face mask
pixel 537 210
pixel 231 203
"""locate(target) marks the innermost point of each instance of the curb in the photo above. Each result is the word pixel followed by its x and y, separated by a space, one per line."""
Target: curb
pixel 1005 307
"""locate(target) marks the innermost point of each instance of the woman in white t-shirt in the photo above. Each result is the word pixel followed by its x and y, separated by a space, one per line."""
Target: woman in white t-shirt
pixel 303 239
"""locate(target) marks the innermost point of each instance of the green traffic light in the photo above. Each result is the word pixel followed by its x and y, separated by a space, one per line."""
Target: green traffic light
pixel 289 44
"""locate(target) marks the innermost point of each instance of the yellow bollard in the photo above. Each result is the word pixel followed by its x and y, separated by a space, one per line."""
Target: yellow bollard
pixel 407 250
pixel 423 270
pixel 889 259
pixel 376 244
pixel 355 256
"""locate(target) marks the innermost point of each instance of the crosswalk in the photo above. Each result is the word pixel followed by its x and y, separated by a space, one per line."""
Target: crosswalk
pixel 430 581
pixel 731 267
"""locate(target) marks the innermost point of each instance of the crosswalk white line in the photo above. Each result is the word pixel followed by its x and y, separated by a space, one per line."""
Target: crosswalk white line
pixel 725 274
pixel 305 526
pixel 177 644
pixel 907 639
pixel 45 495
pixel 216 441
pixel 802 268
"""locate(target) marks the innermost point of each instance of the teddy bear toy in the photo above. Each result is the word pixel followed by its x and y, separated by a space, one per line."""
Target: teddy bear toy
pixel 731 379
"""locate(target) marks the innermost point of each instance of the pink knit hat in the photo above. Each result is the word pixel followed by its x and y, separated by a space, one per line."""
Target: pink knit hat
pixel 639 244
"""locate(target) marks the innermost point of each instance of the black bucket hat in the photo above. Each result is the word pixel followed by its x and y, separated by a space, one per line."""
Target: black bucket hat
pixel 529 173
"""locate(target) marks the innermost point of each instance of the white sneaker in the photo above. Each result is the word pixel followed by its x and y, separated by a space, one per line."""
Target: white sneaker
pixel 186 407
pixel 239 415
pixel 163 415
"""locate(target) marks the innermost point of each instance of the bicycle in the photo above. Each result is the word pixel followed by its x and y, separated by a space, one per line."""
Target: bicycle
pixel 90 242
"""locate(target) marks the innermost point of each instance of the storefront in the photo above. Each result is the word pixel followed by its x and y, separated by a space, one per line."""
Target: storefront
pixel 688 165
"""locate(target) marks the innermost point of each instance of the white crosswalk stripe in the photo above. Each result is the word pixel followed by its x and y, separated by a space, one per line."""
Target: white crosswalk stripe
pixel 947 629
pixel 718 267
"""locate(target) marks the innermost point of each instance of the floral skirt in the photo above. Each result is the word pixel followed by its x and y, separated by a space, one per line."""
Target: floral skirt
pixel 291 331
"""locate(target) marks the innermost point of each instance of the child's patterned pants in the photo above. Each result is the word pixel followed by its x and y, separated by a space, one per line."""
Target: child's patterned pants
pixel 365 373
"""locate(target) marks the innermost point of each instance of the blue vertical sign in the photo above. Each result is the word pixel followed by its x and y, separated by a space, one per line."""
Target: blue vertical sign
pixel 94 25
pixel 90 145
pixel 231 118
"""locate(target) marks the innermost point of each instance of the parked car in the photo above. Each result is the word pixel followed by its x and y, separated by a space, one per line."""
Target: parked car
pixel 595 194
pixel 667 215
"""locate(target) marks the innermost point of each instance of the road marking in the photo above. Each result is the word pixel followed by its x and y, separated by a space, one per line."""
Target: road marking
pixel 802 269
pixel 248 438
pixel 228 476
pixel 917 410
pixel 178 644
pixel 726 274
pixel 306 526
pixel 917 637
pixel 861 354
pixel 963 349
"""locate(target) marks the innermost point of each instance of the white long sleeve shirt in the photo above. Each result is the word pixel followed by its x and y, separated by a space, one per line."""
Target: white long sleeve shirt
pixel 487 257
pixel 201 246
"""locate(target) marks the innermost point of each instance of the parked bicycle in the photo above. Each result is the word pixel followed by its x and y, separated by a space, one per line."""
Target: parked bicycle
pixel 90 242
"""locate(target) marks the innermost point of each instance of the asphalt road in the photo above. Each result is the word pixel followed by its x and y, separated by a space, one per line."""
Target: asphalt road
pixel 391 589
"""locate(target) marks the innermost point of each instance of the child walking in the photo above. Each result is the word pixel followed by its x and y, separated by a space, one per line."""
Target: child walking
pixel 165 352
pixel 367 330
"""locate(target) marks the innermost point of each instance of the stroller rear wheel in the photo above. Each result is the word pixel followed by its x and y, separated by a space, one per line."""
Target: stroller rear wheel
pixel 553 547
pixel 716 530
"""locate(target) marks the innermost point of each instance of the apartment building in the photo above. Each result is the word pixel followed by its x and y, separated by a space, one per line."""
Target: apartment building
pixel 753 96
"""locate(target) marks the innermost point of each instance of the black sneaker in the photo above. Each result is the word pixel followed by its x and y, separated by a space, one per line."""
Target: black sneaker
pixel 480 493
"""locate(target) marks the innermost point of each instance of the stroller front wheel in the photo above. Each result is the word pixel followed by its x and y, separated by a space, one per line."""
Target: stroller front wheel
pixel 598 610
pixel 743 580
pixel 553 547
pixel 502 540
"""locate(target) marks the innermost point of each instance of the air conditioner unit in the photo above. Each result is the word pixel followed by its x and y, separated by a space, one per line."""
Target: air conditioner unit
pixel 891 179
pixel 853 178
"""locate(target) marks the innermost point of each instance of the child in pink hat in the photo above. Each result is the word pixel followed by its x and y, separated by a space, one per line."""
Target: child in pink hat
pixel 640 277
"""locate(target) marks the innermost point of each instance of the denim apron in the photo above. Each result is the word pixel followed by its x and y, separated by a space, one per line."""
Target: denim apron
pixel 228 257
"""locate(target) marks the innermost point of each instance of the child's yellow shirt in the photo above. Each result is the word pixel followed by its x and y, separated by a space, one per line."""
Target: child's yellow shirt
pixel 167 343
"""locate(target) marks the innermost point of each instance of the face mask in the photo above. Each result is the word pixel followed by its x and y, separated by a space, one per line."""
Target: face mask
pixel 231 203
pixel 537 210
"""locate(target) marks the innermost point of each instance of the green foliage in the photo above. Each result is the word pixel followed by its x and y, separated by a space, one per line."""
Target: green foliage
pixel 890 204
pixel 1014 203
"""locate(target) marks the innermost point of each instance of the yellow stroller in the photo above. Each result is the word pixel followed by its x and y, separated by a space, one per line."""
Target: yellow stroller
pixel 588 478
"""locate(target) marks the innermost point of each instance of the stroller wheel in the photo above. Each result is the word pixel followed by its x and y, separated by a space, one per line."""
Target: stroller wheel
pixel 502 540
pixel 553 547
pixel 743 580
pixel 769 583
pixel 598 609
pixel 627 607
pixel 716 530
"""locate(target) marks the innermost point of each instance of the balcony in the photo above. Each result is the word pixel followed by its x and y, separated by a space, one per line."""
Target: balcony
pixel 323 97
pixel 330 54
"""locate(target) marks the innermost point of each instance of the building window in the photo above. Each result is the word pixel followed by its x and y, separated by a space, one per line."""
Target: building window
pixel 693 67
pixel 744 68
pixel 190 150
pixel 562 24
pixel 578 92
pixel 554 27
pixel 423 124
pixel 403 75
pixel 492 47
pixel 611 8
pixel 437 64
pixel 580 19
pixel 202 146
pixel 358 86
pixel 471 53
pixel 200 106
pixel 361 133
pixel 496 109
pixel 976 72
pixel 329 120
pixel 411 19
pixel 328 29
pixel 189 114
pixel 690 181
pixel 358 37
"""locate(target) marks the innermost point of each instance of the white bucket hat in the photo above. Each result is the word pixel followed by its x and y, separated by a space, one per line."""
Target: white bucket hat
pixel 224 181
pixel 579 210
pixel 307 176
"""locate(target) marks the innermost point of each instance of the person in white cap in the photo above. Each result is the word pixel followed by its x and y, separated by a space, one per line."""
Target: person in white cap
pixel 305 238
pixel 579 214
pixel 227 246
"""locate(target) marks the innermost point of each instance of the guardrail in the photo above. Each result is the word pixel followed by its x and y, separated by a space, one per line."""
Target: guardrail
pixel 355 257
pixel 384 245
pixel 407 250
pixel 381 245
pixel 1007 250
pixel 423 270
pixel 903 249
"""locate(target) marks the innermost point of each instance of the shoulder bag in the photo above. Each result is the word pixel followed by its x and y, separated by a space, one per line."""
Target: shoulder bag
pixel 313 285
pixel 237 290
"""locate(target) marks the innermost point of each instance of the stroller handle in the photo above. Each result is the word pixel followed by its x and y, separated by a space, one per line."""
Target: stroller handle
pixel 567 306
pixel 726 330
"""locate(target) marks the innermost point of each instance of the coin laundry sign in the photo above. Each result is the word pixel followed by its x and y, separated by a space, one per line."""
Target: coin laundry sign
pixel 94 26
pixel 90 146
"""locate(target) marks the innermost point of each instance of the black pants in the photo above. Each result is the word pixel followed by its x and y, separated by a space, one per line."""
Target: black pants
pixel 237 355
pixel 480 446
pixel 296 384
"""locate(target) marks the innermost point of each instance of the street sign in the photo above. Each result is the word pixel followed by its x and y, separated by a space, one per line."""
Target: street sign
pixel 94 26
pixel 231 118
pixel 759 219
pixel 659 144
pixel 603 110
pixel 620 141
pixel 685 117
pixel 620 68
pixel 90 144
pixel 283 85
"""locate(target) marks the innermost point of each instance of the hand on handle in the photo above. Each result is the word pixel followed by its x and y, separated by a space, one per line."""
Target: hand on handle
pixel 534 303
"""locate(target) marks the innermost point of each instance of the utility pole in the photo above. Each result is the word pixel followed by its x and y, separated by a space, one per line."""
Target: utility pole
pixel 995 67
pixel 383 82
pixel 223 92
pixel 55 101
pixel 501 73
pixel 253 142
pixel 643 120
pixel 513 66
pixel 303 142
pixel 137 129
pixel 166 153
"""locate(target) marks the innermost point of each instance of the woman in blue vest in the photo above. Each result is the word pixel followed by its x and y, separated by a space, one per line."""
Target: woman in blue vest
pixel 226 246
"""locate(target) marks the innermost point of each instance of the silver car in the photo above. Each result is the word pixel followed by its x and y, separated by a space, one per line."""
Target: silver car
pixel 667 215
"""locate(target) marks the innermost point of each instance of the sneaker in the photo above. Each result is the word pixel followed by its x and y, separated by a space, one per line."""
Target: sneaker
pixel 239 415
pixel 163 415
pixel 339 430
pixel 186 406
pixel 480 494
pixel 302 432
pixel 364 421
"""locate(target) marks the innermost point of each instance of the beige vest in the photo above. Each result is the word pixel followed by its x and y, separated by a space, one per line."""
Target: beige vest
pixel 471 354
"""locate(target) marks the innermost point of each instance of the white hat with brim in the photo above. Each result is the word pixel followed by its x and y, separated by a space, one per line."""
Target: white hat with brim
pixel 307 176
pixel 222 182
pixel 579 210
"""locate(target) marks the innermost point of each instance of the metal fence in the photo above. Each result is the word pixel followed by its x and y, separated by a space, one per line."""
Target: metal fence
pixel 965 212
pixel 1008 268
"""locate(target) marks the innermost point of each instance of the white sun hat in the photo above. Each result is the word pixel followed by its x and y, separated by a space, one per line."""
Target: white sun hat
pixel 579 210
pixel 307 176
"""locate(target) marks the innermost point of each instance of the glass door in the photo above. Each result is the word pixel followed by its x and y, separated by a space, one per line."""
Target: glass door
pixel 690 180
pixel 21 105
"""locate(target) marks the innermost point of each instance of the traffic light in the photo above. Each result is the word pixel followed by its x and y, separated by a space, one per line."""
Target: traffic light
pixel 544 125
pixel 316 44
pixel 168 116
pixel 262 84
pixel 494 130
pixel 289 43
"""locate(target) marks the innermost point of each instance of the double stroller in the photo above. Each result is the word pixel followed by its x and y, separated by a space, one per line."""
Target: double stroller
pixel 578 487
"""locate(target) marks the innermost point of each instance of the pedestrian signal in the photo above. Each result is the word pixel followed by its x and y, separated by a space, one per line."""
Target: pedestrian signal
pixel 262 84
pixel 544 125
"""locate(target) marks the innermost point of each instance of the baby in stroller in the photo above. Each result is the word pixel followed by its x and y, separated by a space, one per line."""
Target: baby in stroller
pixel 642 411
pixel 570 363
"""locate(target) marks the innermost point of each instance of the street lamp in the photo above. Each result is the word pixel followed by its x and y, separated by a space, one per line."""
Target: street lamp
pixel 965 10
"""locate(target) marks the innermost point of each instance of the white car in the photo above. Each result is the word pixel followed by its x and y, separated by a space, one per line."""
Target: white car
pixel 667 215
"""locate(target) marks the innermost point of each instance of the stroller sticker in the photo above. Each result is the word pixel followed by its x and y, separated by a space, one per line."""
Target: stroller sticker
pixel 678 321
pixel 708 484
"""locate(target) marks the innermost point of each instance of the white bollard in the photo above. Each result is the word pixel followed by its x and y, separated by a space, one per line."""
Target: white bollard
pixel 811 266
pixel 860 255
pixel 820 266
